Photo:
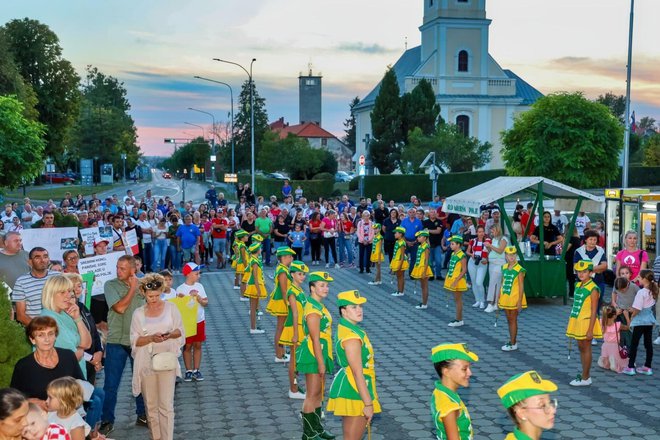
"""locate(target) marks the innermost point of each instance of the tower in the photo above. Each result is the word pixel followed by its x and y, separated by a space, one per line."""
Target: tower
pixel 309 93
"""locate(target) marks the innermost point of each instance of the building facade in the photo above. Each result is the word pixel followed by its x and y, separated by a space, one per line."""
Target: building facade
pixel 473 91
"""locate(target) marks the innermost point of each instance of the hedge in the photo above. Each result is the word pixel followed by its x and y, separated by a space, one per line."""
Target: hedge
pixel 312 189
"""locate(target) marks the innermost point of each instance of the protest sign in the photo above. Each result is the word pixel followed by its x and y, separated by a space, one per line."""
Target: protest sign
pixel 89 236
pixel 104 268
pixel 54 240
pixel 187 306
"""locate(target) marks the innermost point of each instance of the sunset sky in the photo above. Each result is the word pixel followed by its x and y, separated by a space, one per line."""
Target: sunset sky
pixel 156 47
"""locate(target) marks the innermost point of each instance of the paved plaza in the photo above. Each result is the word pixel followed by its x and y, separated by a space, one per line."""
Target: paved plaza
pixel 245 397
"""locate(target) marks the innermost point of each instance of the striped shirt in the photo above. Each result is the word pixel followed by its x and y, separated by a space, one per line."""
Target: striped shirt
pixel 28 289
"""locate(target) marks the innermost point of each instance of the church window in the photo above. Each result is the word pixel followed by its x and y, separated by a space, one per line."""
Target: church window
pixel 430 3
pixel 463 124
pixel 463 61
pixel 324 142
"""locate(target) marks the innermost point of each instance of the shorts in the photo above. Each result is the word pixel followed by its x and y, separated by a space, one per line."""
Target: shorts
pixel 201 333
pixel 219 245
pixel 188 254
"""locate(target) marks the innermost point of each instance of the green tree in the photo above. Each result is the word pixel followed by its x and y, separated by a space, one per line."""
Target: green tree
pixel 420 109
pixel 567 138
pixel 646 123
pixel 242 128
pixel 37 53
pixel 328 162
pixel 196 152
pixel 21 144
pixel 615 103
pixel 386 125
pixel 454 151
pixel 292 154
pixel 13 344
pixel 652 151
pixel 349 124
pixel 12 83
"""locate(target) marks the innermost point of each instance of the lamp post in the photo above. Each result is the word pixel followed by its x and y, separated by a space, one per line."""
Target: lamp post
pixel 123 158
pixel 251 84
pixel 231 98
pixel 198 126
pixel 96 158
pixel 626 131
pixel 212 140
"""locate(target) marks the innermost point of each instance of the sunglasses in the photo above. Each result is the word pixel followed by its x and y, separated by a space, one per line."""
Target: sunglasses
pixel 153 285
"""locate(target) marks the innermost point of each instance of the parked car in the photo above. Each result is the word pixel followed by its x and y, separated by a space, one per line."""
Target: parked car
pixel 167 175
pixel 342 176
pixel 74 176
pixel 278 176
pixel 56 178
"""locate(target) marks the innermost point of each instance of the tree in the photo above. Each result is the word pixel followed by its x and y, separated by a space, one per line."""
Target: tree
pixel 646 123
pixel 386 125
pixel 652 151
pixel 615 103
pixel 38 56
pixel 242 128
pixel 420 109
pixel 454 151
pixel 292 154
pixel 328 162
pixel 567 138
pixel 13 344
pixel 12 83
pixel 349 138
pixel 195 152
pixel 22 146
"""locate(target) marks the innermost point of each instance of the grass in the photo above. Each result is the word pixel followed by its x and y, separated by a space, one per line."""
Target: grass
pixel 57 193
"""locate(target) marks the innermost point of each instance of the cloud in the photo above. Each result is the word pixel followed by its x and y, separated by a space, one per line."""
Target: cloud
pixel 365 48
pixel 644 69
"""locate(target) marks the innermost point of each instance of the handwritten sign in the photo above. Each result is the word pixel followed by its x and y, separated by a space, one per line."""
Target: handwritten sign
pixel 104 268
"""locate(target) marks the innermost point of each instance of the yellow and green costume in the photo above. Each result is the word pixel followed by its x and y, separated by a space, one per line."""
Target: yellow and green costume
pixel 510 288
pixel 455 268
pixel 578 323
pixel 517 435
pixel 344 398
pixel 256 287
pixel 277 305
pixel 305 357
pixel 240 257
pixel 421 269
pixel 399 258
pixel 287 332
pixel 445 401
pixel 377 249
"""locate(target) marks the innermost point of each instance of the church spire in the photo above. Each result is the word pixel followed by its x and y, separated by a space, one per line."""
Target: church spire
pixel 461 9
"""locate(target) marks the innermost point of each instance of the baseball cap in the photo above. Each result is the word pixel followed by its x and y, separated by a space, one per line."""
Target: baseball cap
pixel 188 268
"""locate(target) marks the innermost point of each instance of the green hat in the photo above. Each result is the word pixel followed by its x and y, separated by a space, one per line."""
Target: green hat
pixel 422 233
pixel 254 247
pixel 350 297
pixel 320 276
pixel 256 238
pixel 446 352
pixel 510 250
pixel 376 226
pixel 400 230
pixel 522 386
pixel 284 250
pixel 583 265
pixel 241 233
pixel 298 266
pixel 456 239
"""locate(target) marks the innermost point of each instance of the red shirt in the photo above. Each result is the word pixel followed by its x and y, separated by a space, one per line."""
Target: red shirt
pixel 347 225
pixel 219 233
pixel 478 248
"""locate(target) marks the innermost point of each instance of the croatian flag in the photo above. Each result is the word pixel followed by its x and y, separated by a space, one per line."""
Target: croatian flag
pixel 633 125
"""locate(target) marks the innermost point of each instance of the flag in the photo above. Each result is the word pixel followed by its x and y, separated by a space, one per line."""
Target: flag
pixel 633 125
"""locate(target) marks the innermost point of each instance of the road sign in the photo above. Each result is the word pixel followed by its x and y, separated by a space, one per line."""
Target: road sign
pixel 362 171
pixel 231 178
pixel 362 160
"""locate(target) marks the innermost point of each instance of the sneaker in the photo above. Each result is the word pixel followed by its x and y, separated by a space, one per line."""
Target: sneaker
pixel 188 376
pixel 106 428
pixel 509 347
pixel 197 376
pixel 656 341
pixel 594 342
pixel 257 331
pixel 260 313
pixel 456 323
pixel 282 360
pixel 375 283
pixel 421 306
pixel 245 298
pixel 489 309
pixel 327 265
pixel 237 287
pixel 141 420
pixel 336 266
pixel 628 371
pixel 579 382
pixel 645 371
pixel 296 395
pixel 482 305
pixel 351 266
pixel 397 294
pixel 476 304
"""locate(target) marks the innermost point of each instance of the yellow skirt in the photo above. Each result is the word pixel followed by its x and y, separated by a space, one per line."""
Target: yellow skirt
pixel 395 264
pixel 376 257
pixel 510 302
pixel 240 268
pixel 233 264
pixel 352 408
pixel 577 328
pixel 419 272
pixel 278 307
pixel 461 285
pixel 245 277
pixel 287 336
pixel 251 291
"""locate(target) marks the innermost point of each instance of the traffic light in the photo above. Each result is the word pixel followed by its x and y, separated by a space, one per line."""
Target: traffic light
pixel 170 141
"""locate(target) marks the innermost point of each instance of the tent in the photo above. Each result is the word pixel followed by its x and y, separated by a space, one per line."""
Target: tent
pixel 545 276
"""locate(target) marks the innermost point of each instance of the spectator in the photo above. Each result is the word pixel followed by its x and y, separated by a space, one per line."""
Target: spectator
pixel 192 352
pixel 590 251
pixel 633 257
pixel 297 238
pixel 478 265
pixel 28 288
pixel 496 260
pixel 380 212
pixel 160 244
pixel 329 226
pixel 219 227
pixel 212 196
pixel 315 237
pixel 389 224
pixel 365 236
pixel 173 248
pixel 188 239
pixel 147 236
pixel 264 227
pixel 7 216
pixel 346 233
pixel 13 259
pixel 551 236
pixel 435 228
pixel 412 225
pixel 561 222
pixel 286 189
pixel 582 223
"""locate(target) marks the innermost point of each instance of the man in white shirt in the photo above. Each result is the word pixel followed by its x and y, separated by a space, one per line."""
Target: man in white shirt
pixel 27 215
pixel 7 216
pixel 560 221
pixel 37 214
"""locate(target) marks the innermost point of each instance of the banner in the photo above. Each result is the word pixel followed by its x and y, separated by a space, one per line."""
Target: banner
pixel 131 243
pixel 54 240
pixel 89 236
pixel 104 268
pixel 187 306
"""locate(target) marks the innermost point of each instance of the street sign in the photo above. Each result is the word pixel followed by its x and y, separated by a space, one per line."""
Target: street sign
pixel 231 178
pixel 362 160
pixel 362 170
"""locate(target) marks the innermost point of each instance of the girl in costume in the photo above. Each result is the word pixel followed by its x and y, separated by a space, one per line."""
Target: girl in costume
pixel 450 416
pixel 377 253
pixel 278 305
pixel 353 393
pixel 526 399
pixel 455 279
pixel 610 357
pixel 292 333
pixel 421 270
pixel 399 264
pixel 241 259
pixel 256 288
pixel 314 356
pixel 258 239
pixel 642 322
pixel 583 324
pixel 512 294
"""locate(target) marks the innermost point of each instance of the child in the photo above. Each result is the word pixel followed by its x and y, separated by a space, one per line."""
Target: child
pixel 192 352
pixel 623 295
pixel 298 192
pixel 455 279
pixel 138 267
pixel 278 304
pixel 377 254
pixel 297 239
pixel 512 294
pixel 240 261
pixel 642 323
pixel 256 287
pixel 422 271
pixel 399 264
pixel 56 266
pixel 168 292
pixel 38 427
pixel 65 395
pixel 583 324
pixel 450 416
pixel 610 358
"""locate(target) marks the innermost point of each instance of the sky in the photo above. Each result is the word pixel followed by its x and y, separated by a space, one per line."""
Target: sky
pixel 156 47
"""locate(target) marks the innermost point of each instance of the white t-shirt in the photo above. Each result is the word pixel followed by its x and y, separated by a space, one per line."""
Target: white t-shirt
pixel 581 223
pixel 73 421
pixel 186 289
pixel 561 221
pixel 146 236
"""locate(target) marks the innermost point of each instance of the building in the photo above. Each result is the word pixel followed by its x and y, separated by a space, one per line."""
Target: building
pixel 309 98
pixel 473 91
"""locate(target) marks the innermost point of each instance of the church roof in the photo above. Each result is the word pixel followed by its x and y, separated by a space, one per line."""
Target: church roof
pixel 410 61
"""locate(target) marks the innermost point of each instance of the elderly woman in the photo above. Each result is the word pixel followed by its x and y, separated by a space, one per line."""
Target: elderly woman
pixel 13 414
pixel 70 259
pixel 156 328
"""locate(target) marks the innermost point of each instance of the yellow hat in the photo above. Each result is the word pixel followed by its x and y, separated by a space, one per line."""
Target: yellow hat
pixel 400 230
pixel 456 239
pixel 446 352
pixel 254 247
pixel 320 276
pixel 376 226
pixel 350 297
pixel 422 233
pixel 258 238
pixel 522 386
pixel 583 265
pixel 298 266
pixel 284 250
pixel 510 250
pixel 240 233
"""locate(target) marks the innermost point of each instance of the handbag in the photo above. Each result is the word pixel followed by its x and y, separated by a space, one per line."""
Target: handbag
pixel 623 350
pixel 165 361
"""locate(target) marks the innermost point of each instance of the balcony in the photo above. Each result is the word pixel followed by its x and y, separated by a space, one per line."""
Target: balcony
pixel 501 87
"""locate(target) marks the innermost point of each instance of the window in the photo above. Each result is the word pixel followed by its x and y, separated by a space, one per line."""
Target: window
pixel 463 61
pixel 430 3
pixel 324 142
pixel 461 1
pixel 463 124
pixel 310 82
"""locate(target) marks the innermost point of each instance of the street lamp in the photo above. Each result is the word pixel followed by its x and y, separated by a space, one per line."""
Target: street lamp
pixel 198 126
pixel 251 83
pixel 96 158
pixel 231 97
pixel 123 158
pixel 626 131
pixel 212 140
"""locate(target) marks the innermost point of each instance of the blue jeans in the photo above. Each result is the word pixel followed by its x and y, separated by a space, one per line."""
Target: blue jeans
pixel 94 407
pixel 160 249
pixel 175 257
pixel 345 249
pixel 148 257
pixel 115 361
pixel 265 250
pixel 437 258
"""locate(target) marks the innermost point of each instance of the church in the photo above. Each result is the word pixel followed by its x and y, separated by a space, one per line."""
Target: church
pixel 473 91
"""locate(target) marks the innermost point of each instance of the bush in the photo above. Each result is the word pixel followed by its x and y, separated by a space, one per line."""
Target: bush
pixel 354 184
pixel 312 189
pixel 13 345
pixel 324 176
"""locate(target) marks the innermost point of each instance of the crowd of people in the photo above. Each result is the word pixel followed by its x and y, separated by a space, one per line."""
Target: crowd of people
pixel 139 318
